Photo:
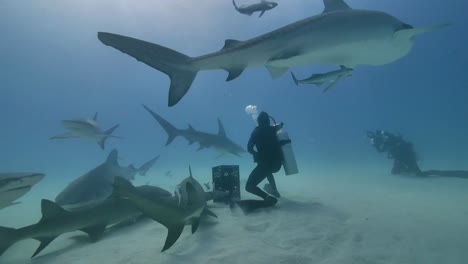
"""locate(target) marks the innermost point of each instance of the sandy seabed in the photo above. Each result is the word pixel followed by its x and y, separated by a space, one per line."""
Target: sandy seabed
pixel 323 217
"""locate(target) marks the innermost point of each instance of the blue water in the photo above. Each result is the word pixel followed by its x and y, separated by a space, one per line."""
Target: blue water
pixel 53 67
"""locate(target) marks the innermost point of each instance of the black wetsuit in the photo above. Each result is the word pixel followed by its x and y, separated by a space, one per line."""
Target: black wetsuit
pixel 268 158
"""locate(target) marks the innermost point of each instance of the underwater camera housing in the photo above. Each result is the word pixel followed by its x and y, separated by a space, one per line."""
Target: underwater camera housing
pixel 226 181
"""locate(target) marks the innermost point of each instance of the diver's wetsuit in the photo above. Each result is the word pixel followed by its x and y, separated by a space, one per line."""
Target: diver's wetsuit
pixel 404 157
pixel 268 157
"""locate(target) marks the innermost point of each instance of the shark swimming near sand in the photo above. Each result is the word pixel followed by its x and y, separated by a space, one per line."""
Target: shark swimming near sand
pixel 92 220
pixel 218 141
pixel 261 7
pixel 86 128
pixel 97 183
pixel 339 35
pixel 331 78
pixel 15 185
pixel 192 205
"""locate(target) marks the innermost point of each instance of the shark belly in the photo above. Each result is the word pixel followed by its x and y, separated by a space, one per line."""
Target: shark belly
pixel 350 38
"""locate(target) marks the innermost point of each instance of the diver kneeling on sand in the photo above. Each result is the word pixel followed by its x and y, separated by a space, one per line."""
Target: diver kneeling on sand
pixel 266 147
pixel 404 156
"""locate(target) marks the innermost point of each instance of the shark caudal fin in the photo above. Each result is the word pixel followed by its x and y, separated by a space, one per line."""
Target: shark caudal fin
pixel 7 238
pixel 172 131
pixel 107 134
pixel 176 65
pixel 145 167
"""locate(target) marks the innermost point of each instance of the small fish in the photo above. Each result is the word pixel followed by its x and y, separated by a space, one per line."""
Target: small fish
pixel 331 77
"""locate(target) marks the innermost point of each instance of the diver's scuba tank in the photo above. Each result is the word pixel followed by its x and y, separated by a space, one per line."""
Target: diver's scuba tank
pixel 289 160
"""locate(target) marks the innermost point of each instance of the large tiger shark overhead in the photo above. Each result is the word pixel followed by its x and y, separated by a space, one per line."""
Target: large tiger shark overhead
pixel 339 35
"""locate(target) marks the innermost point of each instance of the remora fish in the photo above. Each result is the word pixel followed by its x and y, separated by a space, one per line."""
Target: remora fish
pixel 97 183
pixel 172 216
pixel 15 185
pixel 206 140
pixel 332 77
pixel 92 220
pixel 86 128
pixel 261 7
pixel 338 36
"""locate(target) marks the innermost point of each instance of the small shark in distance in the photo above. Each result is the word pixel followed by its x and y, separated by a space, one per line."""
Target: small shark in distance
pixel 261 7
pixel 97 183
pixel 332 77
pixel 15 185
pixel 92 220
pixel 339 35
pixel 206 140
pixel 174 217
pixel 86 128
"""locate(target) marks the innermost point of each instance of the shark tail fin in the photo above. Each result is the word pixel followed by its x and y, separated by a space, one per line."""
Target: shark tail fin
pixel 172 131
pixel 145 167
pixel 296 81
pixel 175 64
pixel 107 134
pixel 235 5
pixel 7 238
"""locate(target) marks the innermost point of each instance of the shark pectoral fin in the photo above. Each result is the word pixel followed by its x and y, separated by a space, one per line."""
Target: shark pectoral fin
pixel 335 5
pixel 261 14
pixel 329 86
pixel 210 213
pixel 195 224
pixel 276 72
pixel 45 241
pixel 95 232
pixel 234 73
pixel 173 233
pixel 296 81
pixel 64 135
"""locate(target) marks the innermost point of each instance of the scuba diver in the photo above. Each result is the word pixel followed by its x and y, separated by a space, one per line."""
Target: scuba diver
pixel 266 150
pixel 403 155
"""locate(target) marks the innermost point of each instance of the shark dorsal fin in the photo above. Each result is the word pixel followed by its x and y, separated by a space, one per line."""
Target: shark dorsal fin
pixel 95 117
pixel 335 5
pixel 190 171
pixel 221 131
pixel 112 158
pixel 50 209
pixel 229 43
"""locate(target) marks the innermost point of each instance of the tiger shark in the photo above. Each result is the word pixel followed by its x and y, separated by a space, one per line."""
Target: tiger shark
pixel 14 185
pixel 97 183
pixel 86 128
pixel 339 35
pixel 206 140
pixel 261 7
pixel 92 220
pixel 192 205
